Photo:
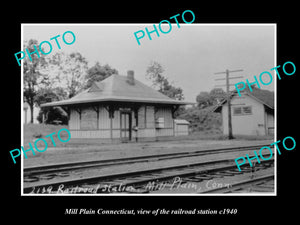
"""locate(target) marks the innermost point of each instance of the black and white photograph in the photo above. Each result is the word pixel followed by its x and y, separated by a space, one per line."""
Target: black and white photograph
pixel 148 111
pixel 129 109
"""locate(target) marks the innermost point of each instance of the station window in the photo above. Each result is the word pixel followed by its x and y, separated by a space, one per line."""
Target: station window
pixel 245 110
pixel 237 111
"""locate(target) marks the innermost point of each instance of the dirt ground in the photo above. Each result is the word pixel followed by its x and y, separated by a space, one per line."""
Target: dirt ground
pixel 67 154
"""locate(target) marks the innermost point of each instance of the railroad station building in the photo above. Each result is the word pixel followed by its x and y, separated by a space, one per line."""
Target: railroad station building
pixel 252 113
pixel 121 108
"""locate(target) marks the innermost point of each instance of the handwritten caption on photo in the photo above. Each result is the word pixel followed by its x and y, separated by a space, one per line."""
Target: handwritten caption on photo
pixel 176 184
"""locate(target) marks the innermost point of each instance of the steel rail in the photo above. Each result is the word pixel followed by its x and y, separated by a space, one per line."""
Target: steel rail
pixel 109 162
pixel 183 174
pixel 122 175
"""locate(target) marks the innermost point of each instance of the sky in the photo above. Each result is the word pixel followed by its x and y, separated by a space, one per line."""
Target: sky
pixel 190 54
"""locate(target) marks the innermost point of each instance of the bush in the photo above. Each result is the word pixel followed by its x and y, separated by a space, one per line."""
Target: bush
pixel 203 119
pixel 53 116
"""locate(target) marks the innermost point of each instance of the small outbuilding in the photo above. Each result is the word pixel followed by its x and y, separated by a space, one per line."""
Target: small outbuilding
pixel 181 127
pixel 120 108
pixel 252 113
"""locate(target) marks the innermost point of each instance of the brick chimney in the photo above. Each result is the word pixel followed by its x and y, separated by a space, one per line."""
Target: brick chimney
pixel 130 77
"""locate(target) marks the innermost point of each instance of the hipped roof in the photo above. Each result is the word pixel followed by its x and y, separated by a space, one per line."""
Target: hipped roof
pixel 116 88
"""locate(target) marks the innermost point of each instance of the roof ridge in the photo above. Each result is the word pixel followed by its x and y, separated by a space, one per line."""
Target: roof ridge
pixel 115 88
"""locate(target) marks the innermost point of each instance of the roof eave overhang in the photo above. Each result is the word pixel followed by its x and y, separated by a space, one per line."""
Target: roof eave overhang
pixel 107 101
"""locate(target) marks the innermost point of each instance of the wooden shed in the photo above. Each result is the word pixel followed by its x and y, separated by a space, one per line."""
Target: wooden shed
pixel 252 113
pixel 181 127
pixel 120 108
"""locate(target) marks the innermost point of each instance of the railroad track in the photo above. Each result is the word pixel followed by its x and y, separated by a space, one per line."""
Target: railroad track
pixel 61 168
pixel 137 181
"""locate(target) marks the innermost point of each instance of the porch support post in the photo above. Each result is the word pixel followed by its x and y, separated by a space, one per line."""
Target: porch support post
pixel 174 109
pixel 136 117
pixel 96 108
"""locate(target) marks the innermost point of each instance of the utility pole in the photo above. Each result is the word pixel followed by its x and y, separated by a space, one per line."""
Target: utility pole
pixel 230 136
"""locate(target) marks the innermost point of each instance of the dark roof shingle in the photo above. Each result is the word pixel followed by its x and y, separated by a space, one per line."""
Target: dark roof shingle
pixel 264 96
pixel 116 88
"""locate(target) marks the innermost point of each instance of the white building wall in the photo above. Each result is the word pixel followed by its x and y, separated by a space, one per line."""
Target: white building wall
pixel 252 124
pixel 27 113
pixel 74 122
pixel 270 123
pixel 86 127
pixel 168 122
pixel 181 129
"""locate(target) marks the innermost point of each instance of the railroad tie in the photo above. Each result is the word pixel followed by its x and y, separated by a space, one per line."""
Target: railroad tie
pixel 203 177
pixel 31 179
pixel 192 179
pixel 225 173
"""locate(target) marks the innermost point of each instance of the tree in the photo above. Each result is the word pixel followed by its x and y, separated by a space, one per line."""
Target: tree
pixel 218 95
pixel 171 91
pixel 45 95
pixel 67 71
pixel 52 114
pixel 203 119
pixel 206 99
pixel 55 115
pixel 161 83
pixel 97 73
pixel 32 72
pixel 154 73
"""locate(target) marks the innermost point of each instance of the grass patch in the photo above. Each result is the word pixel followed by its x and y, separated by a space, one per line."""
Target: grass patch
pixel 216 135
pixel 35 131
